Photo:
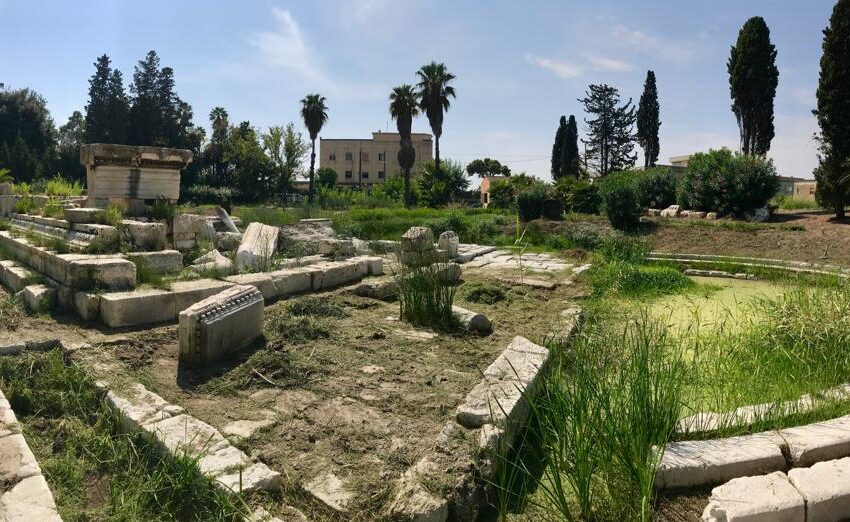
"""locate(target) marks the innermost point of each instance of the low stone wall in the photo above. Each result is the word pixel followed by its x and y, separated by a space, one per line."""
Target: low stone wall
pixel 24 494
pixel 80 237
pixel 800 267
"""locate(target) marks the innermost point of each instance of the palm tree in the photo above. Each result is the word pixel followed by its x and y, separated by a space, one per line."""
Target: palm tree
pixel 315 114
pixel 404 106
pixel 218 119
pixel 434 94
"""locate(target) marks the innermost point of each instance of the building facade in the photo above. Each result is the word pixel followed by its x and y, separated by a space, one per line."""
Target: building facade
pixel 365 162
pixel 486 182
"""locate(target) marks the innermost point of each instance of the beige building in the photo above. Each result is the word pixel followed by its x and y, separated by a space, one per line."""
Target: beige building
pixel 370 161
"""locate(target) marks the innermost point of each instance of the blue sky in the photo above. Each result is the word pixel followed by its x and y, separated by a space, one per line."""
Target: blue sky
pixel 519 65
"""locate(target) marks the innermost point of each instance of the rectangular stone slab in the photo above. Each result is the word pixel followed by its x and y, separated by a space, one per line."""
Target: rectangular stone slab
pixel 826 488
pixel 761 498
pixel 819 441
pixel 220 324
pixel 259 244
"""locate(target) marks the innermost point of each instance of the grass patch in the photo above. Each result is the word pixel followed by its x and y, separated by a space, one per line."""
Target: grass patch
pixel 97 472
pixel 60 187
pixel 284 329
pixel 274 216
pixel 146 276
pixel 631 280
pixel 485 293
pixel 12 311
pixel 786 202
pixel 425 297
pixel 730 224
pixel 316 307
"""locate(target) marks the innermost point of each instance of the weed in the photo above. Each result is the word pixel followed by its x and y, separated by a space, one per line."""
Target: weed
pixel 60 187
pixel 632 280
pixel 25 204
pixel 283 329
pixel 12 311
pixel 21 188
pixel 316 307
pixel 425 296
pixel 485 293
pixel 111 215
pixel 163 209
pixel 53 208
pixel 146 276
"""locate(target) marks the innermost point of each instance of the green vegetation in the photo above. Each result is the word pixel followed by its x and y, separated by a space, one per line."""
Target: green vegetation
pixel 25 205
pixel 786 202
pixel 425 296
pixel 60 187
pixel 485 293
pixel 53 208
pixel 11 312
pixel 95 470
pixel 621 200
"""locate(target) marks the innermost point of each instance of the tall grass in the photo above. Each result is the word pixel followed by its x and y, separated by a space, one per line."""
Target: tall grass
pixel 786 202
pixel 425 295
pixel 61 187
pixel 601 421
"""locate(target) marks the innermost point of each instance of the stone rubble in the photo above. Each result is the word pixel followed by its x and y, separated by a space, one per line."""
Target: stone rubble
pixel 259 244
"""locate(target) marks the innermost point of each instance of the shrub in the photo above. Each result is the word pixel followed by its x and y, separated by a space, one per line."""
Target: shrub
pixel 634 280
pixel 21 188
pixel 657 187
pixel 425 297
pixel 501 194
pixel 530 202
pixel 621 200
pixel 53 208
pixel 25 204
pixel 59 186
pixel 453 221
pixel 210 195
pixel 111 216
pixel 326 177
pixel 162 209
pixel 578 196
pixel 727 183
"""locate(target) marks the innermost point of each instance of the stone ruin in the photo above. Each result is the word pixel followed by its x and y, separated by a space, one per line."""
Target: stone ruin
pixel 223 323
pixel 132 177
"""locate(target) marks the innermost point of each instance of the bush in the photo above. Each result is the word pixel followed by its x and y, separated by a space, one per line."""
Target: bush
pixel 726 183
pixel 621 200
pixel 25 204
pixel 530 202
pixel 453 221
pixel 59 186
pixel 501 194
pixel 657 187
pixel 577 196
pixel 326 177
pixel 210 195
pixel 425 297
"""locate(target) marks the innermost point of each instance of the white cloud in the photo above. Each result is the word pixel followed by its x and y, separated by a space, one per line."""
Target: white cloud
pixel 563 69
pixel 288 48
pixel 676 52
pixel 600 63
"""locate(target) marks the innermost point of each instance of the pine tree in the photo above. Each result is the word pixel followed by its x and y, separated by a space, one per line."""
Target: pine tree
pixel 648 121
pixel 570 161
pixel 833 112
pixel 753 78
pixel 557 155
pixel 157 115
pixel 610 139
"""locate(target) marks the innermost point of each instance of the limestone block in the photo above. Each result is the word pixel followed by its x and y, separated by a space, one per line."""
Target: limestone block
pixel 184 244
pixel 8 422
pixel 17 278
pixel 330 490
pixel 384 290
pixel 83 215
pixel 413 501
pixel 29 500
pixel 261 282
pixel 226 221
pixel 498 398
pixel 16 460
pixel 98 272
pixel 671 211
pixel 473 321
pixel 188 293
pixel 140 306
pixel 334 247
pixel 138 407
pixel 702 462
pixel 213 262
pixel 826 488
pixel 291 281
pixel 695 214
pixel 711 215
pixel 417 239
pixel 146 236
pixel 8 204
pixel 767 498
pixel 338 274
pixel 159 262
pixel 220 324
pixel 87 305
pixel 653 212
pixel 228 241
pixel 4 264
pixel 39 298
pixel 449 242
pixel 817 442
pixel 259 244
pixel 254 477
pixel 449 273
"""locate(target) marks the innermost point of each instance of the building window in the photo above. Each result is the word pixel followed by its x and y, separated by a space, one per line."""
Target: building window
pixel 364 175
pixel 349 156
pixel 381 157
pixel 347 174
pixel 364 156
pixel 380 174
pixel 331 157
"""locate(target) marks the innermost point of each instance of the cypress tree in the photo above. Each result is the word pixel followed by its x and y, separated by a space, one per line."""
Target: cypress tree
pixel 648 121
pixel 833 112
pixel 557 167
pixel 570 161
pixel 753 78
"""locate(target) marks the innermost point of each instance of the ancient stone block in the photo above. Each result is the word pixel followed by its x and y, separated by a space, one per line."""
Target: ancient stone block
pixel 701 462
pixel 139 406
pixel 146 236
pixel 159 262
pixel 29 500
pixel 39 298
pixel 755 499
pixel 220 324
pixel 87 305
pixel 142 306
pixel 188 224
pixel 228 223
pixel 291 281
pixel 213 263
pixel 330 490
pixel 259 245
pixel 817 442
pixel 228 241
pixel 188 293
pixel 17 278
pixel 16 460
pixel 83 215
pixel 826 488
pixel 671 211
pixel 261 282
pixel 449 242
pixel 97 272
pixel 383 289
pixel 472 321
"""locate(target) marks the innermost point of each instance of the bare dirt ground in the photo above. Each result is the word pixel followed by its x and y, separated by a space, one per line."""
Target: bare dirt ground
pixel 360 397
pixel 811 236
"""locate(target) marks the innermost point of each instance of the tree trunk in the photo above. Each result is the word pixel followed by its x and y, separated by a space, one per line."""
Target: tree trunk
pixel 436 157
pixel 312 166
pixel 839 211
pixel 407 202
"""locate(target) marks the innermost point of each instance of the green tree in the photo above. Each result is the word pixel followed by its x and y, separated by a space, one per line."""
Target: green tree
pixel 286 148
pixel 71 136
pixel 487 167
pixel 438 187
pixel 326 177
pixel 27 134
pixel 253 170
pixel 557 169
pixel 753 78
pixel 570 160
pixel 315 114
pixel 403 108
pixel 108 107
pixel 216 168
pixel 610 142
pixel 434 94
pixel 648 121
pixel 833 112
